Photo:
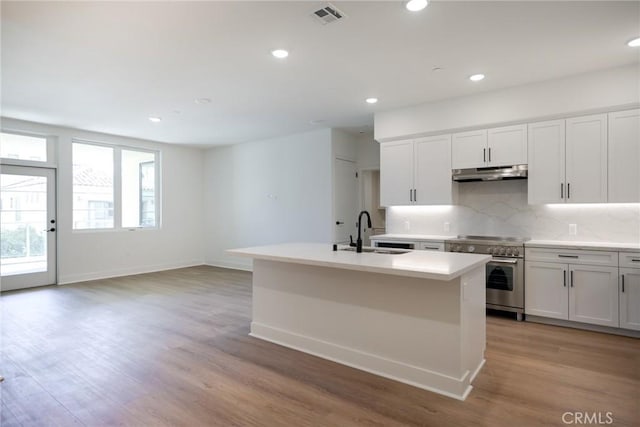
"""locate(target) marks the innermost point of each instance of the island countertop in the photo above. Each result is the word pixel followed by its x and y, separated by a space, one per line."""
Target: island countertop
pixel 422 264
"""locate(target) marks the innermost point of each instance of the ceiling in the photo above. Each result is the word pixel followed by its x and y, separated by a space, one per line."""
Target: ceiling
pixel 108 66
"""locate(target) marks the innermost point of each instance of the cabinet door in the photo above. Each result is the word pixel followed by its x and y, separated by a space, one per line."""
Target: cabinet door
pixel 396 173
pixel 586 159
pixel 469 149
pixel 546 146
pixel 593 295
pixel 507 146
pixel 432 168
pixel 630 298
pixel 546 290
pixel 623 173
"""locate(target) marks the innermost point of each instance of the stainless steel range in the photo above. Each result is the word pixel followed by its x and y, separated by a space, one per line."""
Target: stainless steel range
pixel 504 273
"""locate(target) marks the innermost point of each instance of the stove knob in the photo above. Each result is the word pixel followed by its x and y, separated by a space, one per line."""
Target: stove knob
pixel 471 249
pixel 508 251
pixel 501 251
pixel 516 252
pixel 491 250
pixel 458 248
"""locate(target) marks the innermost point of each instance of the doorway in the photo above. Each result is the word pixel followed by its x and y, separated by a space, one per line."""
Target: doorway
pixel 27 227
pixel 346 200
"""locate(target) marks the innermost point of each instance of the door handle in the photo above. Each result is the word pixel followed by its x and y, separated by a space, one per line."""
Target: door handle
pixel 51 230
pixel 572 279
pixel 339 222
pixel 622 282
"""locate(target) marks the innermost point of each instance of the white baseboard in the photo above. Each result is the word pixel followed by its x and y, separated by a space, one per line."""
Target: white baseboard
pixel 75 278
pixel 583 326
pixel 244 266
pixel 457 388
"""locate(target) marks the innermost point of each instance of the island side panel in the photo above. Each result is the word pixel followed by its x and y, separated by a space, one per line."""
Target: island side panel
pixel 400 327
pixel 474 320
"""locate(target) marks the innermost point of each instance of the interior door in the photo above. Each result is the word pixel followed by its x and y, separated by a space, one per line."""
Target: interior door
pixel 346 200
pixel 27 227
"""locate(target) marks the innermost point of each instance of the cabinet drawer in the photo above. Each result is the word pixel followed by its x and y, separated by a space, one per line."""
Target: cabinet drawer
pixel 432 246
pixel 630 259
pixel 572 256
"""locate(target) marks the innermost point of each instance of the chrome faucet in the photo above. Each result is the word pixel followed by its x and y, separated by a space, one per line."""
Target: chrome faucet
pixel 359 240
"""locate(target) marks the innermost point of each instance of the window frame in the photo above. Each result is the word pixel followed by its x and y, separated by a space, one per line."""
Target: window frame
pixel 117 187
pixel 50 141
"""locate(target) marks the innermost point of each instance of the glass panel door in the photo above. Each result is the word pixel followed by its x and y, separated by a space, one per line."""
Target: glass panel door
pixel 27 227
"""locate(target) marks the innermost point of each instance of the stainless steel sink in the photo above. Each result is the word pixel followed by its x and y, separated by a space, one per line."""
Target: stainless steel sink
pixel 376 250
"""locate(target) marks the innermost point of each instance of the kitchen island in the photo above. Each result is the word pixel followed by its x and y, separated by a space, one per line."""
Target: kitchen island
pixel 416 317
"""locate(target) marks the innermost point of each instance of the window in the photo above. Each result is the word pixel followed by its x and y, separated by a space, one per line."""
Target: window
pixel 101 172
pixel 92 186
pixel 138 189
pixel 23 147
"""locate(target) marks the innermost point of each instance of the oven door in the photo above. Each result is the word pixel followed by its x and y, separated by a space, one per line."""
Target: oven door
pixel 505 282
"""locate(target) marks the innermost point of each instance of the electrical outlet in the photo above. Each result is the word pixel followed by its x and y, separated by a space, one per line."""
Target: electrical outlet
pixel 447 227
pixel 573 229
pixel 407 225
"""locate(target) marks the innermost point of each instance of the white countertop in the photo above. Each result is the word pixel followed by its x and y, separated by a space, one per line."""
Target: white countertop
pixel 603 246
pixel 423 264
pixel 412 237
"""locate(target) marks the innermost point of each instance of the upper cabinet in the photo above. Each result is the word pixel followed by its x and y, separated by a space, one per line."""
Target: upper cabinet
pixel 624 157
pixel 504 146
pixel 416 172
pixel 568 160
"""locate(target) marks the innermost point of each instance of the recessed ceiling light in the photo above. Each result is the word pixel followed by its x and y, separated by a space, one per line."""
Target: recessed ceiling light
pixel 476 77
pixel 371 100
pixel 203 100
pixel 634 42
pixel 155 119
pixel 280 53
pixel 416 5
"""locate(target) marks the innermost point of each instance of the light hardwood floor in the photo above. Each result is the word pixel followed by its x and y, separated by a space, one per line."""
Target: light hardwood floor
pixel 171 348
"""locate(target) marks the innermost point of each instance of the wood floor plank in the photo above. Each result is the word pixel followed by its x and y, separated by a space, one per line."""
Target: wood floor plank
pixel 172 348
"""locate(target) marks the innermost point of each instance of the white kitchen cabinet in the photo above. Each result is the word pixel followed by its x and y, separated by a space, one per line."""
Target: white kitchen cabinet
pixel 572 284
pixel 396 173
pixel 469 149
pixel 568 160
pixel 503 146
pixel 507 146
pixel 417 172
pixel 586 159
pixel 546 292
pixel 623 173
pixel 546 147
pixel 630 298
pixel 593 295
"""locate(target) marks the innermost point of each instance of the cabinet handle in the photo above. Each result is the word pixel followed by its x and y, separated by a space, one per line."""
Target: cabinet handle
pixel 572 279
pixel 410 195
pixel 568 190
pixel 489 154
pixel 415 195
pixel 635 260
pixel 432 248
pixel 564 274
pixel 562 190
pixel 484 154
pixel 567 256
pixel 622 282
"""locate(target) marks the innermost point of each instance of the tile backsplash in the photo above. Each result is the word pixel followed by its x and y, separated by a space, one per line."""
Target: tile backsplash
pixel 500 208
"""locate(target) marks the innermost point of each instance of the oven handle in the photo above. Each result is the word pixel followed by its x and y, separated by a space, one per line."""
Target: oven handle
pixel 504 261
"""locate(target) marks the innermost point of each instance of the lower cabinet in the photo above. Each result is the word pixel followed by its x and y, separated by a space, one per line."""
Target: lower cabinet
pixel 630 298
pixel 581 293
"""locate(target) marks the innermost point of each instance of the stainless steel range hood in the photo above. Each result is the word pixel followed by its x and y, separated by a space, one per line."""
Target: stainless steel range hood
pixel 490 174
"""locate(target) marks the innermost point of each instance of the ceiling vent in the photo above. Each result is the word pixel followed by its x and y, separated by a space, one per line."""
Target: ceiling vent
pixel 328 14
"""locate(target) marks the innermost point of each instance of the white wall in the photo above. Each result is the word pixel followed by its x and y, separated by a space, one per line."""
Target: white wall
pixel 585 93
pixel 368 152
pixel 265 192
pixel 86 255
pixel 500 208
